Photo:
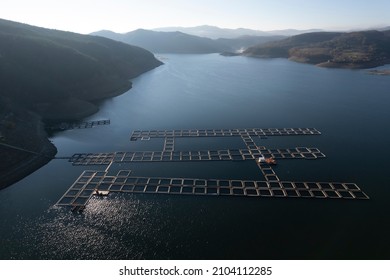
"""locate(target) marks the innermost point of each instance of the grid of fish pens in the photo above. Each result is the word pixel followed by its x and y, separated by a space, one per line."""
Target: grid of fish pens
pixel 92 182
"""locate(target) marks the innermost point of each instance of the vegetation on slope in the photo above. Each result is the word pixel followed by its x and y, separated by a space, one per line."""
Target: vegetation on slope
pixel 331 49
pixel 57 75
pixel 42 68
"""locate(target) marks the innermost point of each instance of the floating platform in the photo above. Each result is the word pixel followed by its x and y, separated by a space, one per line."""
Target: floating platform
pixel 207 155
pixel 82 125
pixel 261 132
pixel 169 144
pixel 91 182
pixel 268 172
pixel 91 124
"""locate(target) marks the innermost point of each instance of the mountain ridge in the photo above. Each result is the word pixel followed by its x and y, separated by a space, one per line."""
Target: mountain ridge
pixel 214 32
pixel 179 42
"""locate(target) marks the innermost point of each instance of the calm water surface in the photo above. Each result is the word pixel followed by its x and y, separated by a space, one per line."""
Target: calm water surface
pixel 350 108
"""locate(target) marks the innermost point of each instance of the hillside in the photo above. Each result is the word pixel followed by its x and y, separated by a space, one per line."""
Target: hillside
pixel 182 43
pixel 363 49
pixel 42 68
pixel 54 75
pixel 24 146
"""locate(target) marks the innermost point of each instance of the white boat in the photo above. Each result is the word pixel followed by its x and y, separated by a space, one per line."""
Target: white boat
pixel 261 159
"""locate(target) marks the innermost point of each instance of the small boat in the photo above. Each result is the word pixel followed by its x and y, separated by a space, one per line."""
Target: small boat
pixel 261 159
pixel 101 193
pixel 270 160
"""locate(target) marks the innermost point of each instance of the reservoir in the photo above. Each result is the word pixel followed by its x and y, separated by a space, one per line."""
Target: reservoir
pixel 349 107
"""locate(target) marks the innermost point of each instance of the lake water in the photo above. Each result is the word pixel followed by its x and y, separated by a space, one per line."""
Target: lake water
pixel 349 107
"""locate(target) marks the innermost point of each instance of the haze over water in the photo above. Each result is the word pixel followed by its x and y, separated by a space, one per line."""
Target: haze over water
pixel 349 107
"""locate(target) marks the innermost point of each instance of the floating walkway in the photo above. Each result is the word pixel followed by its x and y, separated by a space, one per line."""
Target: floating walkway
pixel 147 134
pixel 91 124
pixel 169 144
pixel 82 125
pixel 93 182
pixel 206 155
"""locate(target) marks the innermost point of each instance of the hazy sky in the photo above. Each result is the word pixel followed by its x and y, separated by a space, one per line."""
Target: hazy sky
pixel 85 16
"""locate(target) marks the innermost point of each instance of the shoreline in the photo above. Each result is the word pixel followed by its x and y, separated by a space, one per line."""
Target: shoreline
pixel 30 133
pixel 74 109
pixel 330 64
pixel 382 72
pixel 365 65
pixel 37 159
pixel 28 166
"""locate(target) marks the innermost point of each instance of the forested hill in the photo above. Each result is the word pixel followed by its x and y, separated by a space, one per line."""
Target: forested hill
pixel 42 67
pixel 331 49
pixel 57 75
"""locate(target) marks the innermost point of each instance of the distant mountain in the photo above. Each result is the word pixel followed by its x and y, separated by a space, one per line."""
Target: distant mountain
pixel 214 32
pixel 241 43
pixel 293 32
pixel 363 49
pixel 164 42
pixel 109 34
pixel 384 28
pixel 178 42
pixel 48 69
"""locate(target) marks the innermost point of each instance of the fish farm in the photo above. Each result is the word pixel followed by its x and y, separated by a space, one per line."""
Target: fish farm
pixel 101 182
